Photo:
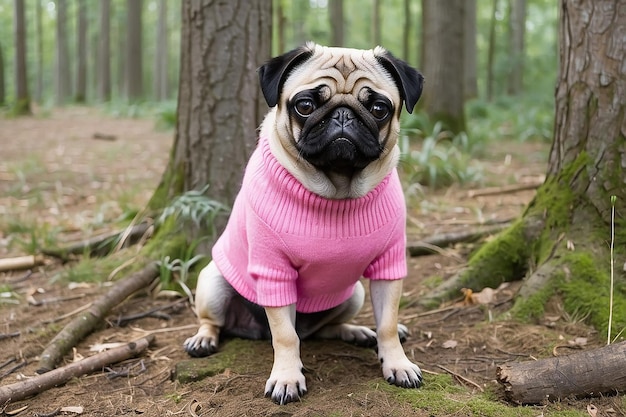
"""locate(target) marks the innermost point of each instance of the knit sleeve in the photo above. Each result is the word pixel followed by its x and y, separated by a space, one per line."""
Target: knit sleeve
pixel 391 263
pixel 269 264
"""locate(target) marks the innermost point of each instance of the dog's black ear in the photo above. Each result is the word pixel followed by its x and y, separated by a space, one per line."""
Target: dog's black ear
pixel 409 81
pixel 272 75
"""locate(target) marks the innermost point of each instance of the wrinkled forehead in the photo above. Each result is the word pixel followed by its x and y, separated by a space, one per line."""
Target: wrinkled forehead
pixel 344 70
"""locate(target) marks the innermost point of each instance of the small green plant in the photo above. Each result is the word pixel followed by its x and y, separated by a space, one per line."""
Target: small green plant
pixel 176 271
pixel 193 206
pixel 443 159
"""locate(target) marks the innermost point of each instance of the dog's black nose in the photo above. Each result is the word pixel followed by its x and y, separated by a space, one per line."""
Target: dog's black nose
pixel 343 116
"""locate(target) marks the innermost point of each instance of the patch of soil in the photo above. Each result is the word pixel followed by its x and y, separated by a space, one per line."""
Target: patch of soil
pixel 53 173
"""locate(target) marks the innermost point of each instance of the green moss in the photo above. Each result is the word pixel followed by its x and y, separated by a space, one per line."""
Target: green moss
pixel 172 183
pixel 234 354
pixel 586 291
pixel 500 260
pixel 98 269
pixel 441 395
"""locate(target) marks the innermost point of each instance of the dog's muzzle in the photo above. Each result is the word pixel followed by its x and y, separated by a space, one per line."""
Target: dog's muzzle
pixel 340 141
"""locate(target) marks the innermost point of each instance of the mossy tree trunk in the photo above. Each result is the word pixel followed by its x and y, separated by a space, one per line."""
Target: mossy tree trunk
pixel 561 244
pixel 220 105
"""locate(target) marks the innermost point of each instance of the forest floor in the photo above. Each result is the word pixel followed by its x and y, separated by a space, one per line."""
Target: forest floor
pixel 60 184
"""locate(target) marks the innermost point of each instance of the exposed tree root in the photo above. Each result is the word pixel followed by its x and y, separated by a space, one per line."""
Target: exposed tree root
pixel 85 323
pixel 432 244
pixel 506 258
pixel 59 376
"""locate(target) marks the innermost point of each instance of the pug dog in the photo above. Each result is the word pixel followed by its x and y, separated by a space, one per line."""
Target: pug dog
pixel 320 207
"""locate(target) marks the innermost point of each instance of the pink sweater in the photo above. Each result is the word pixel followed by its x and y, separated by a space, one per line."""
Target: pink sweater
pixel 284 244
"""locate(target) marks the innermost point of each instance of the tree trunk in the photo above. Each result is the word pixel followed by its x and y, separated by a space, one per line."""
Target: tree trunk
pixel 335 9
pixel 517 29
pixel 560 245
pixel 3 94
pixel 81 51
pixel 120 56
pixel 63 72
pixel 491 53
pixel 161 54
pixel 443 60
pixel 470 82
pixel 281 23
pixel 39 53
pixel 104 52
pixel 406 31
pixel 22 102
pixel 376 19
pixel 220 105
pixel 134 51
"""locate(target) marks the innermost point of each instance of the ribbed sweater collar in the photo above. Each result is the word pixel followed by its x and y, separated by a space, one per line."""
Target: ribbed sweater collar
pixel 287 206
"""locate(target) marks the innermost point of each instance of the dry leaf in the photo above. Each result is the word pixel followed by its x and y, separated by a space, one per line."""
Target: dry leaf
pixel 449 344
pixel 592 410
pixel 486 296
pixel 579 341
pixel 570 245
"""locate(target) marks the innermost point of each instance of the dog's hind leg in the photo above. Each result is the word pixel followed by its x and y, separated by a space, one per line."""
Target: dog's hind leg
pixel 333 323
pixel 213 295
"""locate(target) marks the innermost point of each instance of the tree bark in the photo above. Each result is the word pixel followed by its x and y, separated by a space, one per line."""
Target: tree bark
pixel 590 373
pixel 104 52
pixel 443 59
pixel 161 58
pixel 406 31
pixel 559 246
pixel 39 52
pixel 491 53
pixel 81 53
pixel 470 82
pixel 63 70
pixel 335 8
pixel 134 50
pixel 517 30
pixel 376 19
pixel 3 94
pixel 22 104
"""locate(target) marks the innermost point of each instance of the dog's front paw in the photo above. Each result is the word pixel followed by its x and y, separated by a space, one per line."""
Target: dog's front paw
pixel 199 346
pixel 402 372
pixel 285 385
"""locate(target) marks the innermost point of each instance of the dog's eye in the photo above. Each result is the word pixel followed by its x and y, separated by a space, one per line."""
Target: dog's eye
pixel 305 107
pixel 380 110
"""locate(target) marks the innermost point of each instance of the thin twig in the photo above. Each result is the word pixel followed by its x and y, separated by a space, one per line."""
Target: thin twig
pixel 461 377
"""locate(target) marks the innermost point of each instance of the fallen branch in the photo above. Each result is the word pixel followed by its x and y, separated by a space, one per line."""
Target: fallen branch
pixel 432 244
pixel 582 374
pixel 26 388
pixel 84 324
pixel 20 262
pixel 100 245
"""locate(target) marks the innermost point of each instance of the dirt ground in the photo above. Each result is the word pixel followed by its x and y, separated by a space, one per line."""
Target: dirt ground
pixel 57 182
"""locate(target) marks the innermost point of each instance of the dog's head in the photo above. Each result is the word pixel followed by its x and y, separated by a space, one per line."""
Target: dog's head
pixel 335 121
